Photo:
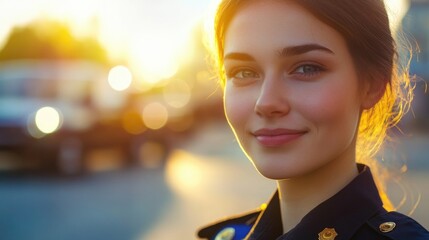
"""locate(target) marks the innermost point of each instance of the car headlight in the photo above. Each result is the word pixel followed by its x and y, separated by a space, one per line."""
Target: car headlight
pixel 48 120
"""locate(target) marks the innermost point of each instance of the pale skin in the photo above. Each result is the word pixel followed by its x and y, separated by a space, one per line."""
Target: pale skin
pixel 293 99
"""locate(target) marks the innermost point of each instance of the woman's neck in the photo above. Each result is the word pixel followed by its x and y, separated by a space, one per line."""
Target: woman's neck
pixel 300 195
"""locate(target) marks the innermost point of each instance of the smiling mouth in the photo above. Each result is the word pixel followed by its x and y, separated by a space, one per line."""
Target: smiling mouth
pixel 277 137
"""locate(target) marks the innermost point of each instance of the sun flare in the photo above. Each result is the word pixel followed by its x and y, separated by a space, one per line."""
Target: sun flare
pixel 152 37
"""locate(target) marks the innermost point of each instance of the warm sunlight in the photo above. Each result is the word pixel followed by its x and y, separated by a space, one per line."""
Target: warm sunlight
pixel 155 58
pixel 177 93
pixel 152 37
pixel 396 10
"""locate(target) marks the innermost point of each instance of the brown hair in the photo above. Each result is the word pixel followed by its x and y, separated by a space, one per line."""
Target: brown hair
pixel 364 25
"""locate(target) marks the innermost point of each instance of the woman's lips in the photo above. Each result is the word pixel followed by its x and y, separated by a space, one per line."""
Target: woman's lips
pixel 277 137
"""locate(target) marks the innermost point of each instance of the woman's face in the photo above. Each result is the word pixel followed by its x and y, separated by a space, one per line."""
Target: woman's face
pixel 292 94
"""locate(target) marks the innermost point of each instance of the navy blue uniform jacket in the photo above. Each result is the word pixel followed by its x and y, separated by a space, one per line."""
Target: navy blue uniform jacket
pixel 355 212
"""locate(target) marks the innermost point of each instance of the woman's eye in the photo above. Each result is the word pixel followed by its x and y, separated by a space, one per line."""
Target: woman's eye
pixel 308 70
pixel 245 74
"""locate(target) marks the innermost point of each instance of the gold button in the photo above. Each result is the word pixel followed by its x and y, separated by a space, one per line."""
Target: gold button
pixel 328 234
pixel 387 227
pixel 226 234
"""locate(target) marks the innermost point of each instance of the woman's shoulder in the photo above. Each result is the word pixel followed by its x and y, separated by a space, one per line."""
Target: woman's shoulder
pixel 392 225
pixel 386 225
pixel 237 227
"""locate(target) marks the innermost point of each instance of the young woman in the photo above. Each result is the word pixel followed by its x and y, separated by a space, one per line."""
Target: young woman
pixel 310 88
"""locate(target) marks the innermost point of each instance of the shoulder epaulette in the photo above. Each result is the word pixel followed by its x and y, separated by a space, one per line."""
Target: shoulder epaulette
pixel 236 227
pixel 397 226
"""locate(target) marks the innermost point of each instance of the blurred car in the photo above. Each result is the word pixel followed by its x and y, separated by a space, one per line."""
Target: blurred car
pixel 52 113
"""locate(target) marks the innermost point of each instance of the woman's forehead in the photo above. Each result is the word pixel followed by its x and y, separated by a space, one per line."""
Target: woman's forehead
pixel 274 25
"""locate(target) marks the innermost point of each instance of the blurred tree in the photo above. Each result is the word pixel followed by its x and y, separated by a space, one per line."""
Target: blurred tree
pixel 45 39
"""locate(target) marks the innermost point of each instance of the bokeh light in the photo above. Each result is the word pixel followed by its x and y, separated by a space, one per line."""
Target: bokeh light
pixel 183 173
pixel 120 78
pixel 155 115
pixel 48 120
pixel 177 93
pixel 132 123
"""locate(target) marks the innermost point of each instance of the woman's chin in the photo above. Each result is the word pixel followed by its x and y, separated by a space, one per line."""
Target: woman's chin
pixel 277 173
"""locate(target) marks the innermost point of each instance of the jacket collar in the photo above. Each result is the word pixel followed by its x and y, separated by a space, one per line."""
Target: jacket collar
pixel 346 212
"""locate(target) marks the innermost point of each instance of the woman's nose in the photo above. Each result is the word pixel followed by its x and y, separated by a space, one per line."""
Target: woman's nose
pixel 272 100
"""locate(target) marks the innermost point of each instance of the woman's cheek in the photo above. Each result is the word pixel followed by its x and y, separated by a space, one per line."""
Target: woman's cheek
pixel 238 108
pixel 331 106
pixel 232 110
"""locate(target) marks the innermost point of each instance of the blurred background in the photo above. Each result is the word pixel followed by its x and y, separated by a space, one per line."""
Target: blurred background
pixel 111 122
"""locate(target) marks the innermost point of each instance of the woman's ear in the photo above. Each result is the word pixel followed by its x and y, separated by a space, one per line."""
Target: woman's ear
pixel 374 90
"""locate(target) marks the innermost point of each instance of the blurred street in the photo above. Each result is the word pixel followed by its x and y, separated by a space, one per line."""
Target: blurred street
pixel 204 179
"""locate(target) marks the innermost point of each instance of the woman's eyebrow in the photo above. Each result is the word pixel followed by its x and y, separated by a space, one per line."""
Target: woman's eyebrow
pixel 287 51
pixel 301 49
pixel 238 56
